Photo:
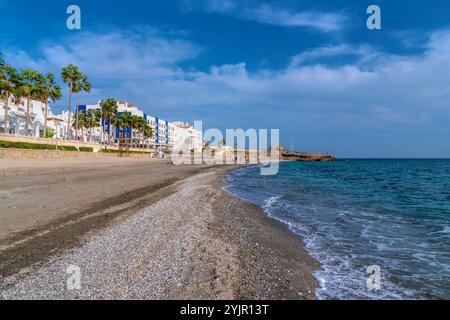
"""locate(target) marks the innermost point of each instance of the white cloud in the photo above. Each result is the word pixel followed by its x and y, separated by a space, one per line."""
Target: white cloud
pixel 268 14
pixel 136 54
pixel 283 17
pixel 307 57
pixel 374 92
pixel 148 65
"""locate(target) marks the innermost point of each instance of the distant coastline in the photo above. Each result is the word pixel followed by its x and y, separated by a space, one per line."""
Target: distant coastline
pixel 306 157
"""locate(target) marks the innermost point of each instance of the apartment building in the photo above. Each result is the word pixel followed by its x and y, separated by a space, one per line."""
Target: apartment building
pixel 17 111
pixel 186 137
pixel 166 135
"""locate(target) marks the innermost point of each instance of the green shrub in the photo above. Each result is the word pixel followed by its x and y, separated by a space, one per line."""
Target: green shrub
pixel 130 152
pixel 26 145
pixel 5 144
pixel 86 149
pixel 110 151
pixel 67 148
pixel 34 146
pixel 49 134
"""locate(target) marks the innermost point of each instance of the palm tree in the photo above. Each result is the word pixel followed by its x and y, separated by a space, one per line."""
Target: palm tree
pixel 79 121
pixel 141 130
pixel 148 133
pixel 81 85
pixel 49 91
pixel 135 123
pixel 70 75
pixel 145 130
pixel 138 125
pixel 31 86
pixel 108 108
pixel 10 82
pixel 92 120
pixel 124 122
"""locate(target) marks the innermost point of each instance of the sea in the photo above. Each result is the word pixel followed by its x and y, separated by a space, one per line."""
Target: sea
pixel 379 227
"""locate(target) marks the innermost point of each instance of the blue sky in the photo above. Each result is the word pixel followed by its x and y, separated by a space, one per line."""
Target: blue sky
pixel 310 68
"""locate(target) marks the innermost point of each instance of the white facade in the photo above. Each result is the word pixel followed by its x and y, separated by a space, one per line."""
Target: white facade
pixel 123 106
pixel 171 135
pixel 166 135
pixel 186 137
pixel 162 132
pixel 17 118
pixel 152 123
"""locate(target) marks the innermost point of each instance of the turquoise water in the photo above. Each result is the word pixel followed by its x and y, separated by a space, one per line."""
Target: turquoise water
pixel 356 213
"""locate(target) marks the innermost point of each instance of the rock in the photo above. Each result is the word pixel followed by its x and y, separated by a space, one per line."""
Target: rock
pixel 308 157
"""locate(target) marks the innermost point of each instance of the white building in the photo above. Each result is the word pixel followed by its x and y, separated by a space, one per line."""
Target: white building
pixel 171 134
pixel 162 134
pixel 123 106
pixel 17 118
pixel 110 130
pixel 162 131
pixel 152 122
pixel 166 135
pixel 186 137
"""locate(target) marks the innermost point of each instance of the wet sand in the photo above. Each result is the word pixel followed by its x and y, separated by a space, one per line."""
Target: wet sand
pixel 140 229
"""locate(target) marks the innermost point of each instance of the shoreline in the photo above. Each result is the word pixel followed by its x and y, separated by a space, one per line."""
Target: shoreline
pixel 186 238
pixel 272 250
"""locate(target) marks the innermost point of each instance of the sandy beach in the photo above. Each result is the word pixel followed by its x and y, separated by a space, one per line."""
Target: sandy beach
pixel 140 229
